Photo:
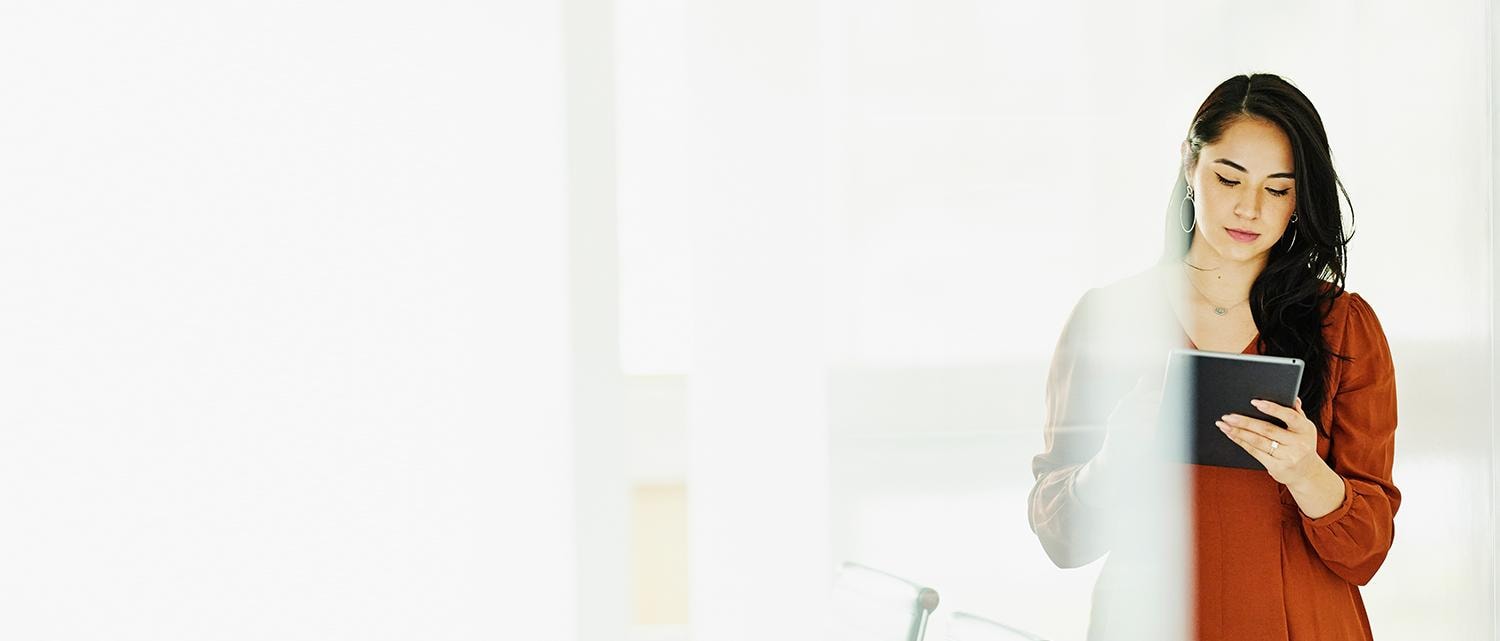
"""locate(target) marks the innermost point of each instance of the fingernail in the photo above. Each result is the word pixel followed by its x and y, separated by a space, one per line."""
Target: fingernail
pixel 1256 402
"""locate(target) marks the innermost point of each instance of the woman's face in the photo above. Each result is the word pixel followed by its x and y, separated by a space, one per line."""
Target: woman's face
pixel 1243 191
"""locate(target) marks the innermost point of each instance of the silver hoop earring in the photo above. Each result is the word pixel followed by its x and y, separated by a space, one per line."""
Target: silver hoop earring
pixel 1293 241
pixel 1187 228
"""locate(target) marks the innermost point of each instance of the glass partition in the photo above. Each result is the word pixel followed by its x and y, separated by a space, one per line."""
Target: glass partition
pixel 978 171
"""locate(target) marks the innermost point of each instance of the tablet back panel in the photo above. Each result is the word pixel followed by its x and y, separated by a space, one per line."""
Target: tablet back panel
pixel 1202 386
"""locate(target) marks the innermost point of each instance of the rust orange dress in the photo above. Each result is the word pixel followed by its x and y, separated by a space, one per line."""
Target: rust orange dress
pixel 1260 569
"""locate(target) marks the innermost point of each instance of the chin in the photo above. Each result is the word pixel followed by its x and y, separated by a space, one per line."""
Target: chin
pixel 1247 254
pixel 1240 253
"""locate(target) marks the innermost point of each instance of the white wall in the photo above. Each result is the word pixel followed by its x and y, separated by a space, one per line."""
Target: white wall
pixel 601 475
pixel 757 473
pixel 285 323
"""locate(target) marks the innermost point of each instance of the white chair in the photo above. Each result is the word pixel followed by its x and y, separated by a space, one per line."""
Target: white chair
pixel 871 605
pixel 963 626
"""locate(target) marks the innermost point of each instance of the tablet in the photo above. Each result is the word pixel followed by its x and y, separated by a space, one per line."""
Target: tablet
pixel 1202 386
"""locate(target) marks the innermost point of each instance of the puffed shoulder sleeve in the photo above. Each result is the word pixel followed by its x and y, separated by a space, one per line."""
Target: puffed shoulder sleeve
pixel 1068 529
pixel 1353 539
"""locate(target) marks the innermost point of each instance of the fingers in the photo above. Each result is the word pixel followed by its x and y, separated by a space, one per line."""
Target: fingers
pixel 1282 412
pixel 1293 417
pixel 1250 438
pixel 1260 453
pixel 1254 425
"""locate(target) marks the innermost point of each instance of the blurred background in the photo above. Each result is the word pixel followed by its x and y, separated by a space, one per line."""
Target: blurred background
pixel 633 319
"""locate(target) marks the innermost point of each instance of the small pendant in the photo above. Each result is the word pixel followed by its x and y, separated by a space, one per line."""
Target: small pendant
pixel 1220 311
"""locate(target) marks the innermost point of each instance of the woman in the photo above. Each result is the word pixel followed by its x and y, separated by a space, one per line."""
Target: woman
pixel 1254 263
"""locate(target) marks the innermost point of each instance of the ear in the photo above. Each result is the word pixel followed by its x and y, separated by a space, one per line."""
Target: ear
pixel 1187 169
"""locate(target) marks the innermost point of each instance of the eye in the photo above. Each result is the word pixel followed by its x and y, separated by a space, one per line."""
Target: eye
pixel 1226 181
pixel 1279 193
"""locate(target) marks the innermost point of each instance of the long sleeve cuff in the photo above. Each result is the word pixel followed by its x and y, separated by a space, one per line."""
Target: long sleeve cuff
pixel 1066 526
pixel 1354 538
pixel 1337 513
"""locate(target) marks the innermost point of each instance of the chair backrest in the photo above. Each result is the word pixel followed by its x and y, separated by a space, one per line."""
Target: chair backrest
pixel 963 626
pixel 871 605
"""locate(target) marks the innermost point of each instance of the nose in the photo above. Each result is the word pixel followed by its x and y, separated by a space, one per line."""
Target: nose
pixel 1248 205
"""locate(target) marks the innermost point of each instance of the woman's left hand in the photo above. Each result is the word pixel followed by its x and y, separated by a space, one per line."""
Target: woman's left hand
pixel 1290 454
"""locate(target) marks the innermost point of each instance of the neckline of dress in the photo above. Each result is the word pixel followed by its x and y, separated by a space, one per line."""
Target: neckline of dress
pixel 1167 298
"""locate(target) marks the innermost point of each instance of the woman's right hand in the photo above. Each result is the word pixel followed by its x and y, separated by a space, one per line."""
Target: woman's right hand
pixel 1129 440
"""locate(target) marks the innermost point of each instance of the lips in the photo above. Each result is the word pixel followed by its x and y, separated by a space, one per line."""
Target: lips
pixel 1241 235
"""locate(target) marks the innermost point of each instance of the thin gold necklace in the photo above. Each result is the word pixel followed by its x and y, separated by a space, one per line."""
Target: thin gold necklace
pixel 1219 310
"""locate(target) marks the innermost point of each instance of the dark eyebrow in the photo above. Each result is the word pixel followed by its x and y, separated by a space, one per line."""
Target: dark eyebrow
pixel 1231 163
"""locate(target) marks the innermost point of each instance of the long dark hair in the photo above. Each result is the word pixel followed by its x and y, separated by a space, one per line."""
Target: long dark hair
pixel 1291 297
